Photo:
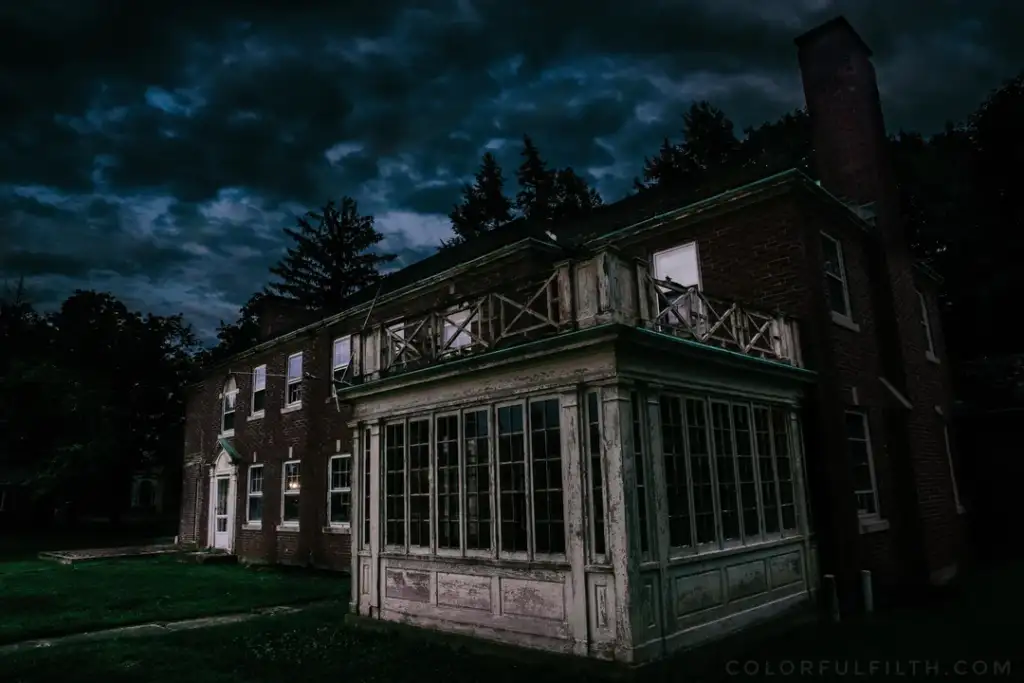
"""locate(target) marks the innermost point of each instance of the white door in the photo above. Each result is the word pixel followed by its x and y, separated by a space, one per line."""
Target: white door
pixel 223 513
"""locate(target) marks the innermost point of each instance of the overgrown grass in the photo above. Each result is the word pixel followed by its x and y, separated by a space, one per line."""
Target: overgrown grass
pixel 979 628
pixel 41 599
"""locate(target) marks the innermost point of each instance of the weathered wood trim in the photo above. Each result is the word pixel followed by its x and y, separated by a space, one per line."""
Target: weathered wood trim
pixel 620 487
pixel 660 537
pixel 572 450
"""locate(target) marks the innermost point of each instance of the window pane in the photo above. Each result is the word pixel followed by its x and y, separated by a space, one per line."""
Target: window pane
pixel 678 264
pixel 229 421
pixel 700 470
pixel 295 366
pixel 342 351
pixel 859 448
pixel 419 483
pixel 830 252
pixel 259 378
pixel 394 484
pixel 447 439
pixel 676 481
pixel 725 468
pixel 291 508
pixel 366 488
pixel 784 466
pixel 476 447
pixel 512 479
pixel 255 508
pixel 636 404
pixel 340 501
pixel 295 393
pixel 746 468
pixel 256 479
pixel 837 295
pixel 341 473
pixel 766 469
pixel 596 474
pixel 291 476
pixel 259 401
pixel 548 514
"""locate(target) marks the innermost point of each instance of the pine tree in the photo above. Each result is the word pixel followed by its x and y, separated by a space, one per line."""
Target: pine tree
pixel 484 205
pixel 573 197
pixel 709 141
pixel 666 168
pixel 535 198
pixel 330 259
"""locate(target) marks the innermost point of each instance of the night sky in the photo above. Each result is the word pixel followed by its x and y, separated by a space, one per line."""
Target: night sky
pixel 156 148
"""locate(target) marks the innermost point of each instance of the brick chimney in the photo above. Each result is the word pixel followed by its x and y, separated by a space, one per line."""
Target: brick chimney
pixel 848 131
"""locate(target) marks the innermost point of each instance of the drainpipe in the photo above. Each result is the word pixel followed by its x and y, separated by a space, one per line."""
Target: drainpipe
pixel 868 590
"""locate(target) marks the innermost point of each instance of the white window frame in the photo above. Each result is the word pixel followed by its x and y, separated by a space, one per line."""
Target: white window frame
pixel 290 524
pixel 688 246
pixel 926 323
pixel 292 381
pixel 864 514
pixel 250 494
pixel 337 367
pixel 842 278
pixel 224 395
pixel 259 383
pixel 952 470
pixel 341 526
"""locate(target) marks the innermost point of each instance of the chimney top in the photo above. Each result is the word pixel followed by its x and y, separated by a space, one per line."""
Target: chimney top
pixel 833 27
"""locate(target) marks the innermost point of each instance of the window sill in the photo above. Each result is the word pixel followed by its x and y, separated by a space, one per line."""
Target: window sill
pixel 932 358
pixel 338 529
pixel 226 435
pixel 252 526
pixel 291 409
pixel 288 527
pixel 256 416
pixel 870 525
pixel 845 321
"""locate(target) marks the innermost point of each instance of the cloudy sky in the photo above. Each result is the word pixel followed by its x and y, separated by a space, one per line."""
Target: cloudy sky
pixel 156 148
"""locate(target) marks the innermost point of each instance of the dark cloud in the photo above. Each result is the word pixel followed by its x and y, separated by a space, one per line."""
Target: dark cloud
pixel 157 148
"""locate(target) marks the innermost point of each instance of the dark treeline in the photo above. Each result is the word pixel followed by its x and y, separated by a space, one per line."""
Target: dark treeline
pixel 93 392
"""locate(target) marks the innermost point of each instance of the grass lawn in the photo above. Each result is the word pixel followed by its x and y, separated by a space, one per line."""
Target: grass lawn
pixel 41 599
pixel 979 627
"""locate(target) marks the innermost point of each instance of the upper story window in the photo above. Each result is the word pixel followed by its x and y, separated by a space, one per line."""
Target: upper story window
pixel 227 403
pixel 259 390
pixel 929 351
pixel 341 359
pixel 290 491
pixel 456 329
pixel 293 388
pixel 679 264
pixel 858 440
pixel 835 276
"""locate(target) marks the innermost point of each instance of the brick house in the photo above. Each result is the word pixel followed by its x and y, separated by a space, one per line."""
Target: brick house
pixel 660 424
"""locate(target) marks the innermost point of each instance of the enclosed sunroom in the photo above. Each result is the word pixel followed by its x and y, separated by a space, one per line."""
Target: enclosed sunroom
pixel 591 460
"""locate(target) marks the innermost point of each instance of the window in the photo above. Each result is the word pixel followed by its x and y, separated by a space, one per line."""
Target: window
pixel 254 503
pixel 640 468
pixel 446 444
pixel 546 453
pixel 725 468
pixel 290 488
pixel 456 330
pixel 476 446
pixel 680 264
pixel 259 390
pixel 728 471
pixel 419 483
pixel 926 324
pixel 858 443
pixel 339 490
pixel 512 479
pixel 228 401
pixel 952 468
pixel 835 276
pixel 366 488
pixel 394 484
pixel 596 474
pixel 293 389
pixel 341 359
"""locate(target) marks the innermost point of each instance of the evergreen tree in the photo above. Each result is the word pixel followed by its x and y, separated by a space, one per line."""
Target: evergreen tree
pixel 573 197
pixel 331 258
pixel 484 205
pixel 709 142
pixel 665 168
pixel 536 196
